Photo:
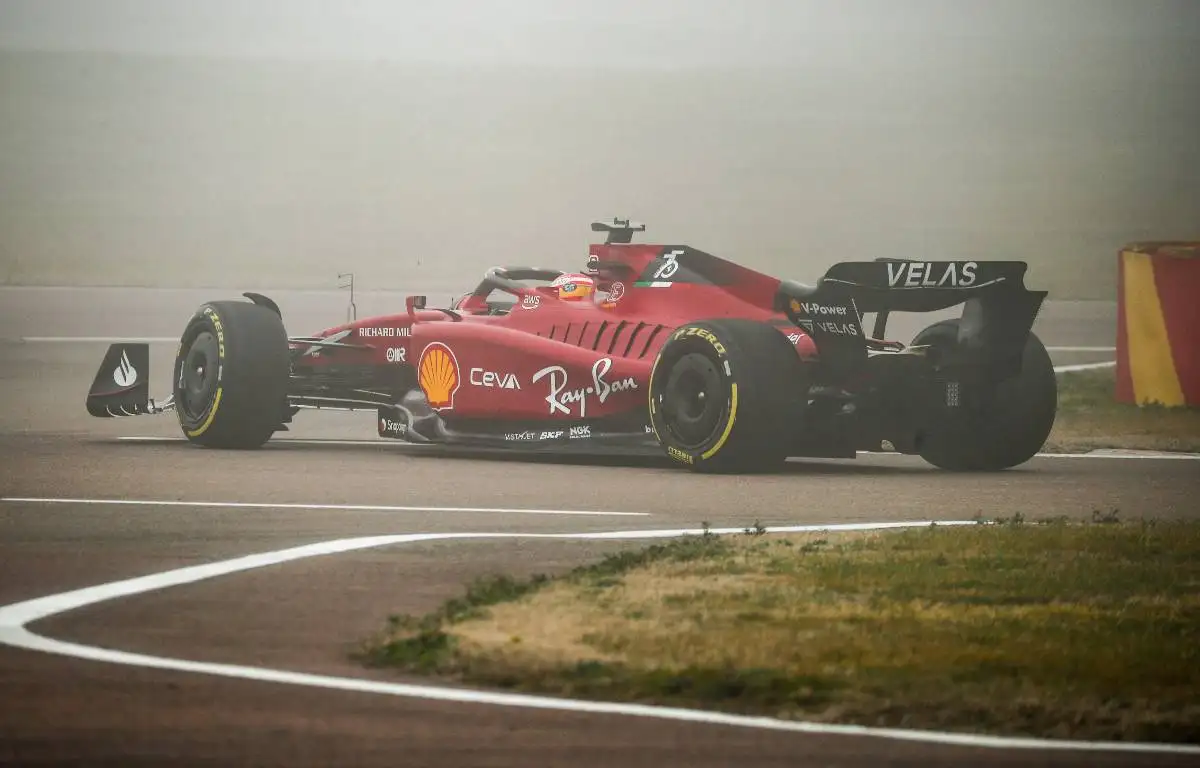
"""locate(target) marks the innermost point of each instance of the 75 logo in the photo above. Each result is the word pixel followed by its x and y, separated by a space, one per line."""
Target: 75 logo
pixel 669 266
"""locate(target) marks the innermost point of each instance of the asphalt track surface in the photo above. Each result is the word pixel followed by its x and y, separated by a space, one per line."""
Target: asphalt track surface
pixel 216 657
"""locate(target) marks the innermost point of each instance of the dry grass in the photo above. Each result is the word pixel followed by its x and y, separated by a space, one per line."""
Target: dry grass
pixel 1081 630
pixel 1089 418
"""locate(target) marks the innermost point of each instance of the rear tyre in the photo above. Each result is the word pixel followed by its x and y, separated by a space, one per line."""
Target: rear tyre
pixel 231 375
pixel 727 396
pixel 1010 429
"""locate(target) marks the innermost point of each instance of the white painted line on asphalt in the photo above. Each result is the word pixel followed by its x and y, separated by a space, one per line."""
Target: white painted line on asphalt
pixel 335 507
pixel 1081 349
pixel 286 440
pixel 1122 455
pixel 99 339
pixel 15 617
pixel 1115 454
pixel 152 439
pixel 1084 366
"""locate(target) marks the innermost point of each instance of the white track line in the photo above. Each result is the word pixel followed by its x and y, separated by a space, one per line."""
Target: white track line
pixel 289 441
pixel 99 339
pixel 1083 366
pixel 15 617
pixel 1094 455
pixel 1123 456
pixel 339 507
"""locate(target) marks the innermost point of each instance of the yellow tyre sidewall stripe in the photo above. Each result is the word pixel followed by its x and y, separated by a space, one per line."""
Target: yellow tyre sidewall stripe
pixel 728 423
pixel 212 413
pixel 219 328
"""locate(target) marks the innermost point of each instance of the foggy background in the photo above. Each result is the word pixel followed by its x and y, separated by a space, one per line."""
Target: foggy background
pixel 274 144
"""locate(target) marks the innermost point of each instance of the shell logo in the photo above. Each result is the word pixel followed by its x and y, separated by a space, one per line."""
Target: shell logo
pixel 438 375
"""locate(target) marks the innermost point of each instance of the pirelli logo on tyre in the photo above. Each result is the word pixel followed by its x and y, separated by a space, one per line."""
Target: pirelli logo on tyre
pixel 708 336
pixel 679 455
pixel 220 329
pixel 712 339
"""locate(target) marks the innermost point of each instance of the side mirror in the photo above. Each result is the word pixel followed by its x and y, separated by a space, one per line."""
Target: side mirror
pixel 412 303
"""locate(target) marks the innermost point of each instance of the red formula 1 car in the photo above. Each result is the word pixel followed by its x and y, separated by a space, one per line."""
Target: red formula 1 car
pixel 662 347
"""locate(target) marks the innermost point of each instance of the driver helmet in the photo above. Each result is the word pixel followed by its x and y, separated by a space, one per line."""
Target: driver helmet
pixel 574 287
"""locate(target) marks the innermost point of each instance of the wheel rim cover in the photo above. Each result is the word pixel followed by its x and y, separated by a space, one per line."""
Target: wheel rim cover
pixel 692 401
pixel 198 375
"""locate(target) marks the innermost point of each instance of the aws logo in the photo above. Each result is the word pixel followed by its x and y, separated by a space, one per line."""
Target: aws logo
pixel 439 376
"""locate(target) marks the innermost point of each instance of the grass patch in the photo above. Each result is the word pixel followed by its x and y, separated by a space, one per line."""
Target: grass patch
pixel 1089 418
pixel 1086 630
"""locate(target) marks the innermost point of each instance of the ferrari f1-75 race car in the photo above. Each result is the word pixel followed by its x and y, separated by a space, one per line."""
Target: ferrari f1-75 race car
pixel 660 347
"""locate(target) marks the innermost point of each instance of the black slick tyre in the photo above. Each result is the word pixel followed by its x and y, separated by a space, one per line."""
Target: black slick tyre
pixel 1010 429
pixel 727 396
pixel 231 375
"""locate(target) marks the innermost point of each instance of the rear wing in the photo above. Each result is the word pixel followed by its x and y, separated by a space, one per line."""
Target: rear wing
pixel 998 310
pixel 921 286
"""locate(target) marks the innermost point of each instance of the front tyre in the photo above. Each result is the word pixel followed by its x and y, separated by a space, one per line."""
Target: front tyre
pixel 1012 425
pixel 231 375
pixel 727 396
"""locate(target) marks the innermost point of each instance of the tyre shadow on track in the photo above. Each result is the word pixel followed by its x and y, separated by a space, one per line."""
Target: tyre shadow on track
pixel 663 464
pixel 622 460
